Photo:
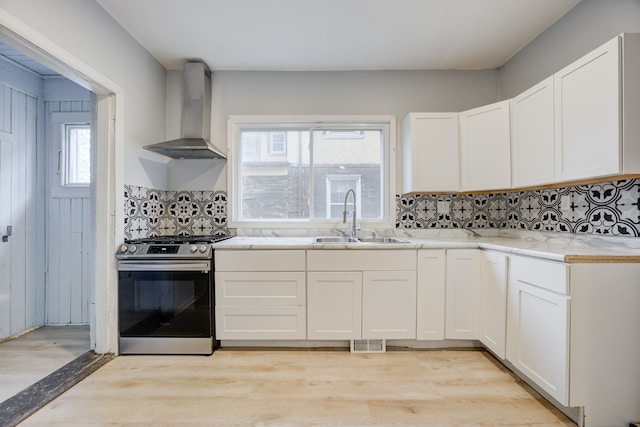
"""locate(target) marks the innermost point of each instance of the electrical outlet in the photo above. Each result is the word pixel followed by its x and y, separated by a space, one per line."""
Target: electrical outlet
pixel 565 203
pixel 443 206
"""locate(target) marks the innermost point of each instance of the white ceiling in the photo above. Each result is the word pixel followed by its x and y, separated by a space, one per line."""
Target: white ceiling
pixel 336 34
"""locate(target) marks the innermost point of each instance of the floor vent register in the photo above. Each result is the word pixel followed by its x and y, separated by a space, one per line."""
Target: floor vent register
pixel 368 346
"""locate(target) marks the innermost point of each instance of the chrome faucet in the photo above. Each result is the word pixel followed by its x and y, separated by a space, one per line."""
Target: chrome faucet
pixel 344 211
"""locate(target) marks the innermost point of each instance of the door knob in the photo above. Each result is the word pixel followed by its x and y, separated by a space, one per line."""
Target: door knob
pixel 5 238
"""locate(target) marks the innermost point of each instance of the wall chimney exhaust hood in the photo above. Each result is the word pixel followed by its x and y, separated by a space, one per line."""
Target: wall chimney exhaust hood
pixel 196 118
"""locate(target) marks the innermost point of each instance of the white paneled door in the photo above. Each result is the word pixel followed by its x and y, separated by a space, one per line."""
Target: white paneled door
pixel 17 211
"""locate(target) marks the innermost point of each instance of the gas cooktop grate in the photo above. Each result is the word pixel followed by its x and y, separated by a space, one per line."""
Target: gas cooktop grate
pixel 177 240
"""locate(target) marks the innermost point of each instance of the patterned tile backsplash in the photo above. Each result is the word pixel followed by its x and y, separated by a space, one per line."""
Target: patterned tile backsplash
pixel 609 208
pixel 165 213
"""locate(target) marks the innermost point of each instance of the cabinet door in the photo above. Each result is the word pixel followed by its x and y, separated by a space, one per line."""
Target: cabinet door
pixel 430 152
pixel 493 302
pixel 542 338
pixel 485 147
pixel 334 305
pixel 431 294
pixel 462 293
pixel 588 116
pixel 389 305
pixel 532 136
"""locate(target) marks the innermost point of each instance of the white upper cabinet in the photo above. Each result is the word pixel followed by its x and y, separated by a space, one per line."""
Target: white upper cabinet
pixel 532 136
pixel 596 106
pixel 485 142
pixel 430 152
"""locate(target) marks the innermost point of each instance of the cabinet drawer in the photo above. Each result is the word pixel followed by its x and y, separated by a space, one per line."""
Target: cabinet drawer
pixel 358 260
pixel 249 288
pixel 550 275
pixel 261 323
pixel 267 260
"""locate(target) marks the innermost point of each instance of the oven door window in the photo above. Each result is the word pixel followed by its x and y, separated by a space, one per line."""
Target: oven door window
pixel 164 304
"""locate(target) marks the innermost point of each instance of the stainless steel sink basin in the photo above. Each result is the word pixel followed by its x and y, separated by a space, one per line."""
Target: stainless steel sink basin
pixel 335 239
pixel 382 240
pixel 343 240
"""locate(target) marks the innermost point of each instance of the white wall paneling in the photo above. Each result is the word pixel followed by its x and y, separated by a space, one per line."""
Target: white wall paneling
pixel 69 225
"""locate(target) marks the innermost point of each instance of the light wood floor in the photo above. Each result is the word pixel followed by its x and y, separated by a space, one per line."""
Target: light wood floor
pixel 31 357
pixel 302 388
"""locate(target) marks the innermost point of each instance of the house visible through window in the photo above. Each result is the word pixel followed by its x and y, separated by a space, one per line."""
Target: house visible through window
pixel 291 172
pixel 277 143
pixel 77 154
pixel 337 187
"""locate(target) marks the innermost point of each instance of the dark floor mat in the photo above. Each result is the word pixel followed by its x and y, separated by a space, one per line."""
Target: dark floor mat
pixel 17 408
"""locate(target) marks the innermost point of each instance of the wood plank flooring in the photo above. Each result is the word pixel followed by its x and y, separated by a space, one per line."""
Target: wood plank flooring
pixel 33 356
pixel 284 388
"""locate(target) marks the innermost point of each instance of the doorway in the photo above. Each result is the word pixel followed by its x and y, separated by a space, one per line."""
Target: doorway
pixel 48 209
pixel 46 219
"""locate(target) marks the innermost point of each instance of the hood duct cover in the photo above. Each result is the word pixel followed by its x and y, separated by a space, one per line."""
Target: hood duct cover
pixel 196 118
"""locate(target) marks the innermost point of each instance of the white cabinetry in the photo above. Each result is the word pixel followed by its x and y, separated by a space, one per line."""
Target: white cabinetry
pixel 493 302
pixel 430 152
pixel 367 294
pixel 485 142
pixel 462 293
pixel 597 99
pixel 431 294
pixel 334 305
pixel 260 294
pixel 532 136
pixel 538 324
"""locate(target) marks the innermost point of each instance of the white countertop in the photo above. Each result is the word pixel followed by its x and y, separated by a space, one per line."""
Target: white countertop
pixel 553 246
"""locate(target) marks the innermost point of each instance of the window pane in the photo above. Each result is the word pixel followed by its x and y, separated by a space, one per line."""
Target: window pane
pixel 349 153
pixel 274 187
pixel 78 154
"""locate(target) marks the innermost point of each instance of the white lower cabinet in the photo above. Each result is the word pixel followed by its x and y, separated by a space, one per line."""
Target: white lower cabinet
pixel 462 294
pixel 389 304
pixel 361 294
pixel 260 295
pixel 432 265
pixel 493 302
pixel 334 307
pixel 538 324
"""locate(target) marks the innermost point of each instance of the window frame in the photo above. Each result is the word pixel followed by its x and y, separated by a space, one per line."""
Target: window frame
pixel 237 123
pixel 66 163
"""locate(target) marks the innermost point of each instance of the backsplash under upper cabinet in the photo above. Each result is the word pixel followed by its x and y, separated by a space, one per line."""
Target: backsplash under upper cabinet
pixel 609 208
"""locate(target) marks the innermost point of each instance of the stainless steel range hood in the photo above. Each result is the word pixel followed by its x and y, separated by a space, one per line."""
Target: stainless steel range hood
pixel 196 118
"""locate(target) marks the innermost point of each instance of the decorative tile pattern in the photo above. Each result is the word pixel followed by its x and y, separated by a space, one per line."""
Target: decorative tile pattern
pixel 610 208
pixel 151 212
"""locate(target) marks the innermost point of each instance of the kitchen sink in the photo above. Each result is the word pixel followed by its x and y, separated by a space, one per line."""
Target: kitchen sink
pixel 382 240
pixel 335 239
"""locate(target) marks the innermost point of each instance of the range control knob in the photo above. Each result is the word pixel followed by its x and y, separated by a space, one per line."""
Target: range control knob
pixel 202 248
pixel 133 249
pixel 193 249
pixel 124 249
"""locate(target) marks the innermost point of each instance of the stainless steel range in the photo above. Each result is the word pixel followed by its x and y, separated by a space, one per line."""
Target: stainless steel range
pixel 165 301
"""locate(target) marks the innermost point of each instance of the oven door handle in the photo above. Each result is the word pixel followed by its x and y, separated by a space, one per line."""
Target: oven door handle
pixel 204 266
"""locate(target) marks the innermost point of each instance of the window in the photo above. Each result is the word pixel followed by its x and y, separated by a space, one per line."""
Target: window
pixel 295 171
pixel 337 187
pixel 277 143
pixel 77 154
